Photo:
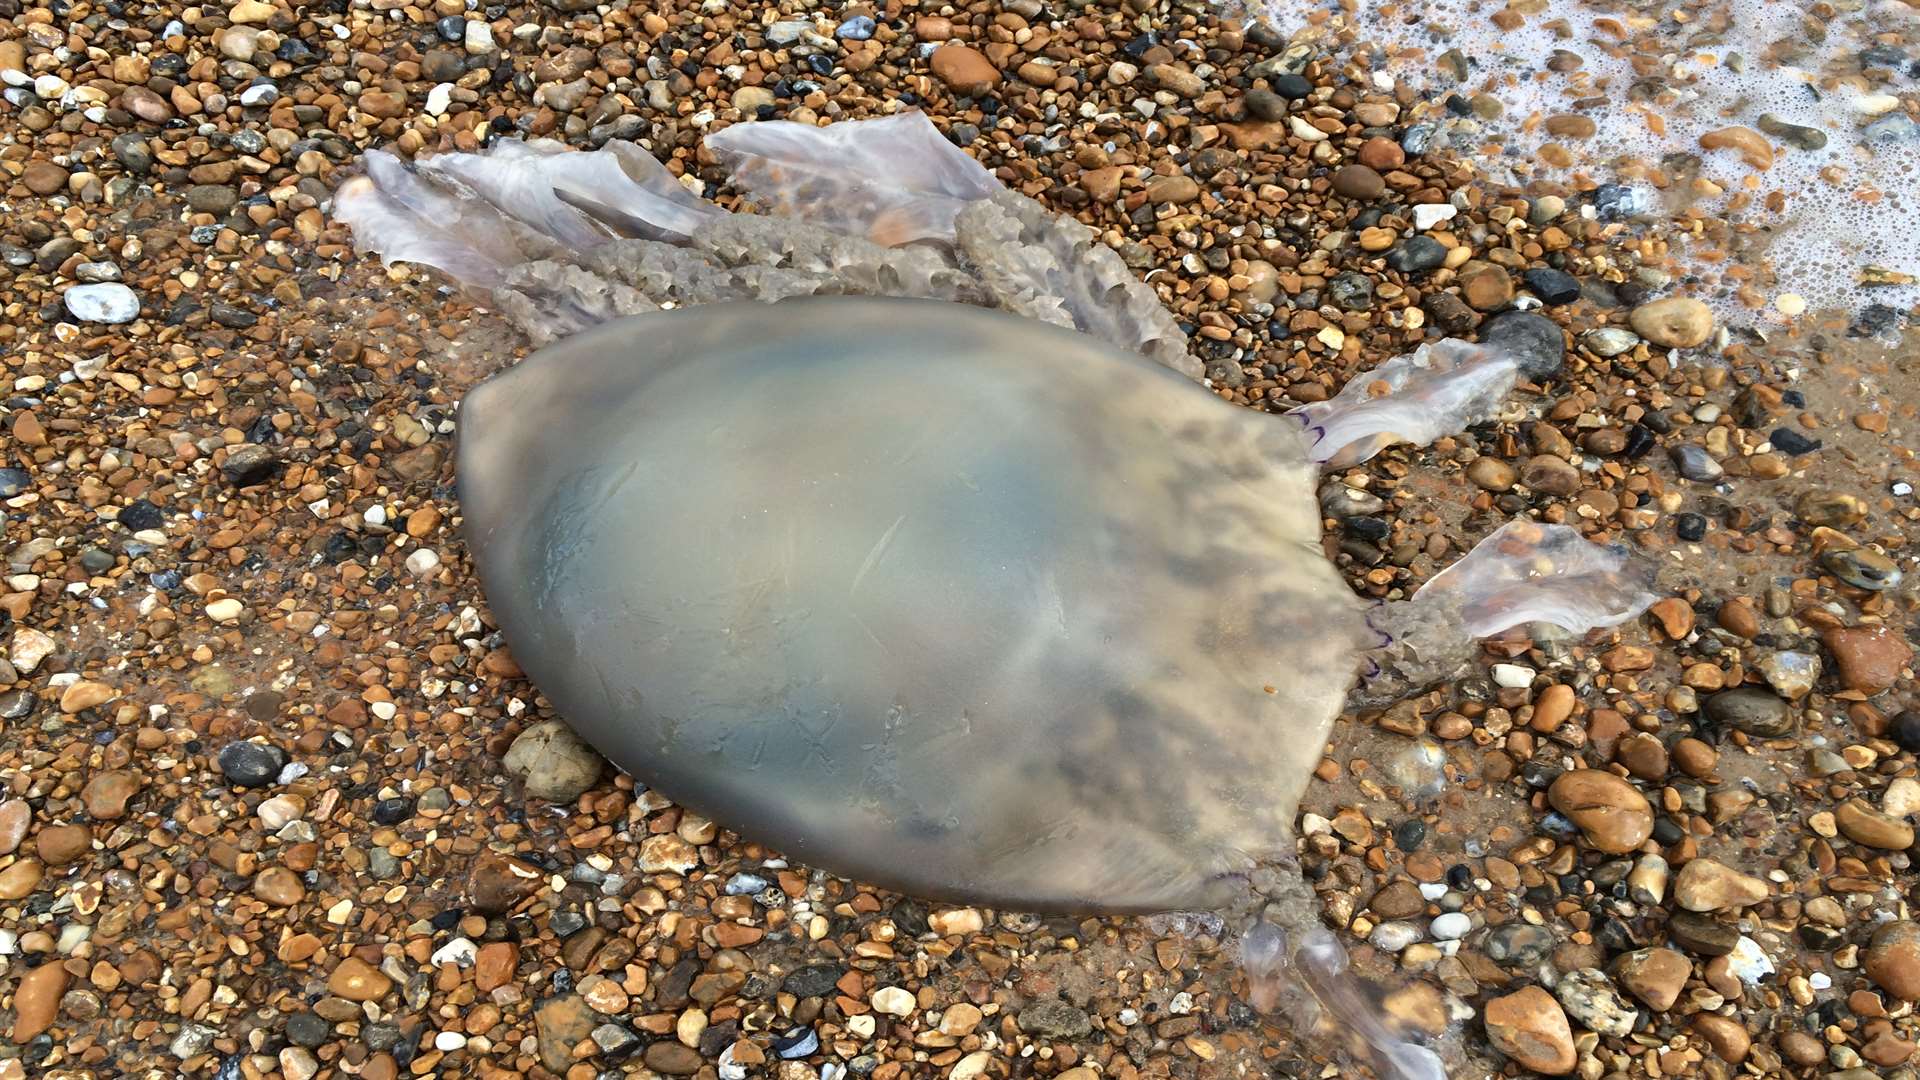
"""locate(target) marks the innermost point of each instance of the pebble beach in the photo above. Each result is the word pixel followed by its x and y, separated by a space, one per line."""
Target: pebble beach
pixel 276 801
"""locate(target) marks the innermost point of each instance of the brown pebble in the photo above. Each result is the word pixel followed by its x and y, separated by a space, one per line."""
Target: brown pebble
pixel 58 845
pixel 1530 1027
pixel 84 695
pixel 964 70
pixel 1552 708
pixel 44 178
pixel 36 1001
pixel 1892 959
pixel 1400 899
pixel 279 886
pixel 16 816
pixel 1173 189
pixel 1709 885
pixel 1491 474
pixel 1801 1048
pixel 1675 616
pixel 1358 182
pixel 1869 658
pixel 1381 154
pixel 1655 976
pixel 20 878
pixel 1728 1037
pixel 1862 824
pixel 105 796
pixel 1738 617
pixel 1611 814
pixel 1485 286
pixel 1550 475
pixel 495 964
pixel 1643 755
pixel 1695 758
pixel 357 980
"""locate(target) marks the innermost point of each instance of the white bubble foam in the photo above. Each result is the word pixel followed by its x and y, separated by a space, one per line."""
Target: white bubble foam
pixel 1654 81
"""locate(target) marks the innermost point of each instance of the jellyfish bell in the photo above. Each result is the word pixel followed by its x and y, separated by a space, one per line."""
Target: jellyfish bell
pixel 944 599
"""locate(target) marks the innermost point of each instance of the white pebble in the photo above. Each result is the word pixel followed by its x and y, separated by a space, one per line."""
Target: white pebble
pixel 30 646
pixel 479 37
pixel 1432 890
pixel 225 610
pixel 458 951
pixel 1449 927
pixel 280 811
pixel 449 1041
pixel 1513 676
pixel 423 562
pixel 1427 215
pixel 1393 937
pixel 104 302
pixel 1748 962
pixel 893 1001
pixel 439 98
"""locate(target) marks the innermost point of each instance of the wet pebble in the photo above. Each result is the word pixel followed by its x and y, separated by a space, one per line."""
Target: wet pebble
pixel 1552 286
pixel 1695 463
pixel 552 762
pixel 1892 959
pixel 1752 710
pixel 1677 322
pixel 1534 340
pixel 1612 815
pixel 1590 999
pixel 251 764
pixel 1530 1027
pixel 1654 976
pixel 1862 568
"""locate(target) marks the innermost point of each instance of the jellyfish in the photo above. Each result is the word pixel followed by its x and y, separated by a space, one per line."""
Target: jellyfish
pixel 890 528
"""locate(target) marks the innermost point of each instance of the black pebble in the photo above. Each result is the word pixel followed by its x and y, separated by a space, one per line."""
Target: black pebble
pixel 308 1029
pixel 452 28
pixel 251 764
pixel 1292 87
pixel 1552 286
pixel 141 514
pixel 1417 254
pixel 13 482
pixel 1690 526
pixel 1409 835
pixel 392 811
pixel 448 919
pixel 813 980
pixel 1906 730
pixel 1789 441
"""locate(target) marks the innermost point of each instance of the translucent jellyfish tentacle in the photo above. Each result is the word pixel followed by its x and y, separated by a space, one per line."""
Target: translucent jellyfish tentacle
pixel 885 207
pixel 1297 968
pixel 1438 389
pixel 894 180
pixel 1524 572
